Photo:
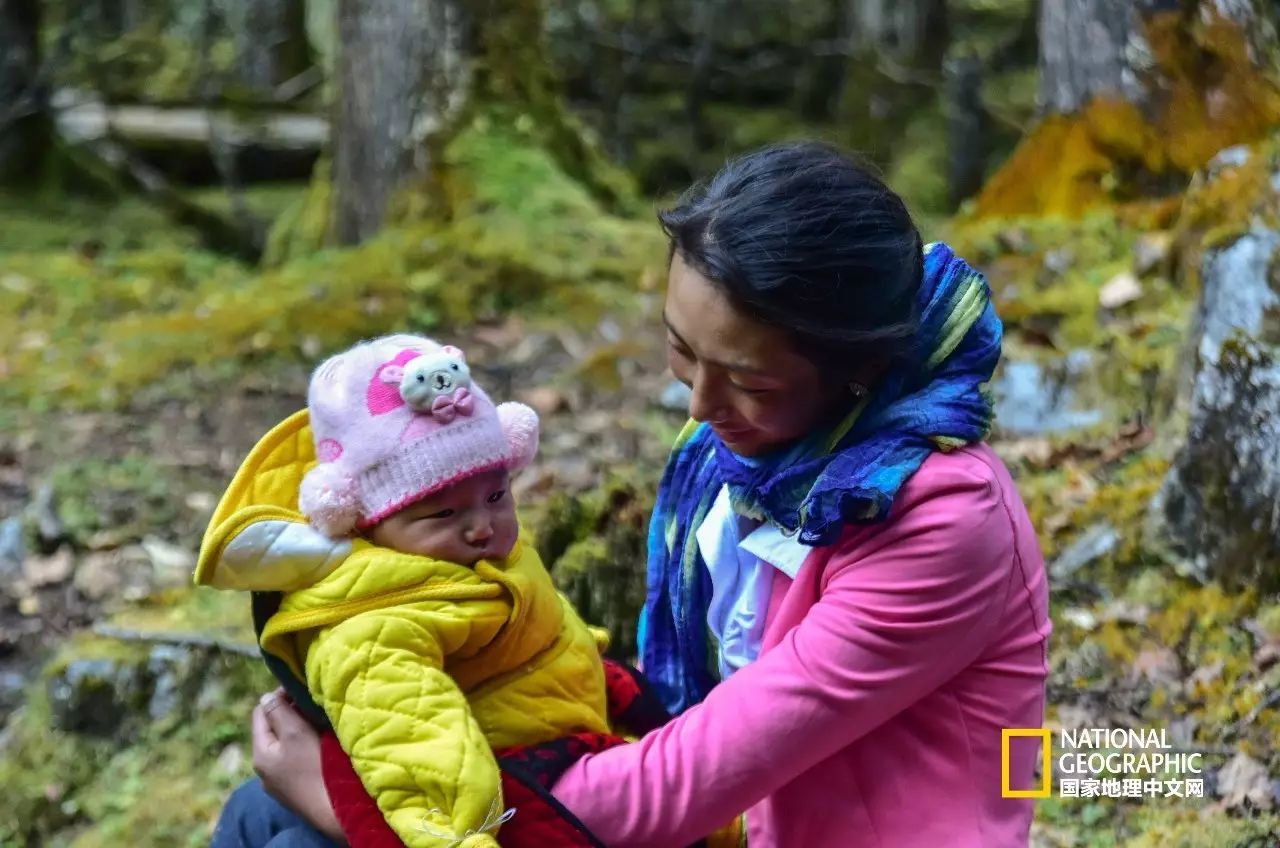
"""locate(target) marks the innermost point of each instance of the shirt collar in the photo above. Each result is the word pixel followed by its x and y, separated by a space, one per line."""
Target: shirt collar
pixel 765 542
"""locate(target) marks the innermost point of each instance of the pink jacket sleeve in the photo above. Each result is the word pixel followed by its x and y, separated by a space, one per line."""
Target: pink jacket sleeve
pixel 903 608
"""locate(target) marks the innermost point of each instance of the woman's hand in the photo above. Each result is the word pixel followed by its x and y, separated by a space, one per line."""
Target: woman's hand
pixel 286 756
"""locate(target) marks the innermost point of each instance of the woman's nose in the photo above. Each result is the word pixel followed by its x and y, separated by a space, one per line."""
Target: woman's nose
pixel 703 405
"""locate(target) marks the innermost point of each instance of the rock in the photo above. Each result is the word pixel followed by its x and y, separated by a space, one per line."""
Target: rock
pixel 1119 290
pixel 1080 617
pixel 203 503
pixel 1058 262
pixel 676 397
pixel 1150 252
pixel 1244 780
pixel 1093 545
pixel 170 667
pixel 1034 399
pixel 1015 240
pixel 231 760
pixel 104 574
pixel 13 550
pixel 97 696
pixel 12 687
pixel 49 570
pixel 172 564
pixel 1217 509
pixel 1228 159
pixel 546 400
pixel 1157 666
pixel 44 514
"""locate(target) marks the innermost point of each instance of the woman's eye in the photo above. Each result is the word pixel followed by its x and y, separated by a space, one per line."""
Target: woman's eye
pixel 444 513
pixel 679 350
pixel 747 390
pixel 497 496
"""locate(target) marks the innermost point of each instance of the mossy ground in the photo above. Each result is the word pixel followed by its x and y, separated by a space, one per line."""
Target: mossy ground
pixel 92 328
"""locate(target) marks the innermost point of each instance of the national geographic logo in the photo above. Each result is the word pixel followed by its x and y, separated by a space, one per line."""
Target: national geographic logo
pixel 1101 762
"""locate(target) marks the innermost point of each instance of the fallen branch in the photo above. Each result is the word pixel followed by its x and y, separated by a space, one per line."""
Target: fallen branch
pixel 111 155
pixel 182 640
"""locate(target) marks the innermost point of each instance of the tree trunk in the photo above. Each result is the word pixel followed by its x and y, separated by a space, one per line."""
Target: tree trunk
pixel 1082 52
pixel 823 77
pixel 271 41
pixel 968 128
pixel 24 118
pixel 400 73
pixel 1092 48
pixel 706 24
pixel 913 33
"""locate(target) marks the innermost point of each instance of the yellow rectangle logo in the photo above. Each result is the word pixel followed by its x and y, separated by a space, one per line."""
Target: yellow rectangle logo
pixel 1046 777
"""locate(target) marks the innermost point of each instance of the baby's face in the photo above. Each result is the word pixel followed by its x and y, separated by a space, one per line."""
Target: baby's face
pixel 469 521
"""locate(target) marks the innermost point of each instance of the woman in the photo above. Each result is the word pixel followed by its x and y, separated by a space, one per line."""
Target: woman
pixel 846 600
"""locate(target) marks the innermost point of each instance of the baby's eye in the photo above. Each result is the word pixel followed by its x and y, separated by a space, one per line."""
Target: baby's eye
pixel 497 496
pixel 444 513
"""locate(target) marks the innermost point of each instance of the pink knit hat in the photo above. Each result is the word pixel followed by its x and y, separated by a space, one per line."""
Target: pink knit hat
pixel 396 419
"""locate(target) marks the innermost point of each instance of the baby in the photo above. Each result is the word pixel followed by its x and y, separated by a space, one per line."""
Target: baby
pixel 422 622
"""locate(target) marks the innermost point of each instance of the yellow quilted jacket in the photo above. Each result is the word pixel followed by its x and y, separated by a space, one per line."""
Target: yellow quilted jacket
pixel 422 666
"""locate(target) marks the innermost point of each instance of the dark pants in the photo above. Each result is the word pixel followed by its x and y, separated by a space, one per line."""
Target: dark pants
pixel 253 819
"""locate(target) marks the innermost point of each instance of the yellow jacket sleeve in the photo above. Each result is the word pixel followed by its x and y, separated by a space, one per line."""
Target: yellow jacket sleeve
pixel 407 727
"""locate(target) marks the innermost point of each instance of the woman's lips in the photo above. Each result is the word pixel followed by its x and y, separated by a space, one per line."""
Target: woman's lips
pixel 730 435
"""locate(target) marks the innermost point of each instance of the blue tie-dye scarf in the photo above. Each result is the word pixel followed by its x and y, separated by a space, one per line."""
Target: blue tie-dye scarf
pixel 845 475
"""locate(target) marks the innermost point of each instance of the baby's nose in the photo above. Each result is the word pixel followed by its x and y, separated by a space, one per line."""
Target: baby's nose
pixel 478 533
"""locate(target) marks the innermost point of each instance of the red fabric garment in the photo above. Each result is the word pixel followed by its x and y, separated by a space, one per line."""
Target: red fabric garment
pixel 528 773
pixel 539 821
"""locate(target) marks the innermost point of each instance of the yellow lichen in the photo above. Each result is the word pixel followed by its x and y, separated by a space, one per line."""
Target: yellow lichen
pixel 1207 94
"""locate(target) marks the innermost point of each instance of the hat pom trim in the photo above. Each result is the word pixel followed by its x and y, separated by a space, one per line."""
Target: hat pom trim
pixel 330 500
pixel 520 426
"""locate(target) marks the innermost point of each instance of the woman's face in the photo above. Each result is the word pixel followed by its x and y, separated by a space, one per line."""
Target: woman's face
pixel 747 379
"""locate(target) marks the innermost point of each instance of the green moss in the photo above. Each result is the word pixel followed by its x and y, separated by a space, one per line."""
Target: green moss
pixel 1216 210
pixel 594 545
pixel 1186 828
pixel 919 172
pixel 525 236
pixel 130 496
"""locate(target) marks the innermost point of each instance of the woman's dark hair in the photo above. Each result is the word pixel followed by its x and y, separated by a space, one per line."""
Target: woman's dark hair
pixel 804 237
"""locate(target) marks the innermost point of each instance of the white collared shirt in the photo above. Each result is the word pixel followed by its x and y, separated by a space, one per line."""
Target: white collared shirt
pixel 739 553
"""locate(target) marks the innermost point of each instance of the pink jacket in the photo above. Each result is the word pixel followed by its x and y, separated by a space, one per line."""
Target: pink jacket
pixel 872 717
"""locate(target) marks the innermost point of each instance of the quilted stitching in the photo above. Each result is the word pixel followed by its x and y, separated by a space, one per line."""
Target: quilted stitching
pixel 395 682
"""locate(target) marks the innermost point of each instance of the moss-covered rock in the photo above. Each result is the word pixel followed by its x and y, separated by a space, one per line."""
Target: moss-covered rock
pixel 1218 504
pixel 595 546
pixel 127 744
